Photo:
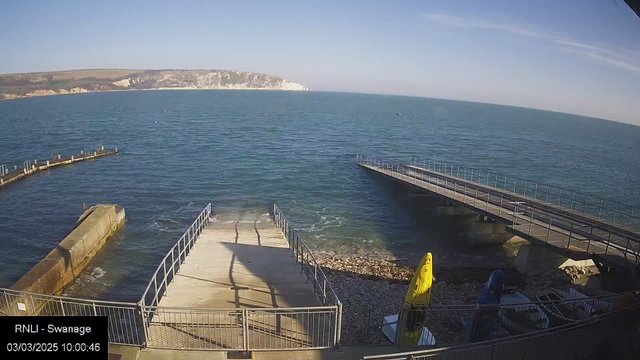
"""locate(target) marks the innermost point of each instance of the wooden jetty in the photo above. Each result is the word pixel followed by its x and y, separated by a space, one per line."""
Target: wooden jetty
pixel 30 167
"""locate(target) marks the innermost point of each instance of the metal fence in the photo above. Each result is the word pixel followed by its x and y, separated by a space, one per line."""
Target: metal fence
pixel 308 264
pixel 459 324
pixel 125 319
pixel 569 341
pixel 170 264
pixel 526 218
pixel 612 210
pixel 257 329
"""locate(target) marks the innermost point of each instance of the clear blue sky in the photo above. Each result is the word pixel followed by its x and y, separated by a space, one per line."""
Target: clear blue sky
pixel 577 56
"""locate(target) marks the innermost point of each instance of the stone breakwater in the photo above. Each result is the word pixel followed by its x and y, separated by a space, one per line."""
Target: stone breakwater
pixel 363 282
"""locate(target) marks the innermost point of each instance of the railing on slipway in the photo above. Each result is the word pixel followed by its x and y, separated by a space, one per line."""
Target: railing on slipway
pixel 171 263
pixel 560 230
pixel 572 340
pixel 308 264
pixel 247 329
pixel 125 318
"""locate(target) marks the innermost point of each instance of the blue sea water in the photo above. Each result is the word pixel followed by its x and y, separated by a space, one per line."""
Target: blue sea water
pixel 244 150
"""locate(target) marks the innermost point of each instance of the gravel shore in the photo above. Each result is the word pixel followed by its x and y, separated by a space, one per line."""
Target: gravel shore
pixel 365 282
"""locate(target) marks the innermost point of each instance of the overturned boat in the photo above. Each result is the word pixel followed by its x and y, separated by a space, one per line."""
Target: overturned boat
pixel 520 316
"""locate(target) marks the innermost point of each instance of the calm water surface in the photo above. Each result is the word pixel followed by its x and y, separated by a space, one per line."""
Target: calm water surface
pixel 244 150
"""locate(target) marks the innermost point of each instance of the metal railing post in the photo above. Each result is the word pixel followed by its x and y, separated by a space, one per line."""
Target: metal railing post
pixel 586 203
pixel 530 223
pixel 145 330
pixel 245 330
pixel 546 198
pixel 155 286
pixel 475 197
pixel 339 325
pixel 600 208
pixel 179 254
pixel 164 267
pixel 488 198
pixel 589 241
pixel 549 230
pixel 560 197
pixel 570 233
pixel 324 291
pixel 573 196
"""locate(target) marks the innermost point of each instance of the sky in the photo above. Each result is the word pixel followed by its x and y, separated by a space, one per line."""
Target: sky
pixel 575 56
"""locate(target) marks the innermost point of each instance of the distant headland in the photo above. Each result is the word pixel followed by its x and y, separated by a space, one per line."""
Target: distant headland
pixel 79 81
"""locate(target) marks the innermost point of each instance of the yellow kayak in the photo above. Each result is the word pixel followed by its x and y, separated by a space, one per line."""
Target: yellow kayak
pixel 418 295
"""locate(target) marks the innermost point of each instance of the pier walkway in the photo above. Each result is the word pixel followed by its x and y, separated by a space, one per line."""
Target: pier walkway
pixel 249 284
pixel 30 167
pixel 606 235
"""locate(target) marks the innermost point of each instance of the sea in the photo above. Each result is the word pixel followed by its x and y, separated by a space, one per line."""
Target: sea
pixel 242 151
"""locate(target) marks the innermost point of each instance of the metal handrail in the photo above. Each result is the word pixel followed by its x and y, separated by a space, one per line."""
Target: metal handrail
pixel 67 298
pixel 177 254
pixel 493 306
pixel 125 319
pixel 605 208
pixel 311 268
pixel 293 308
pixel 574 231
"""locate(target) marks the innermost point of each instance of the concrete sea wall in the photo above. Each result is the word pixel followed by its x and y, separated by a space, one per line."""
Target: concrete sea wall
pixel 61 266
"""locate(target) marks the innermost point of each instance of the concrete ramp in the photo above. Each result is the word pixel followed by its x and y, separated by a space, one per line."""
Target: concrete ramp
pixel 240 283
pixel 241 264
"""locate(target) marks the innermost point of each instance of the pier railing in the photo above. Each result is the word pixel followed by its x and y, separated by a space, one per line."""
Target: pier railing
pixel 615 211
pixel 125 318
pixel 526 220
pixel 308 264
pixel 170 264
